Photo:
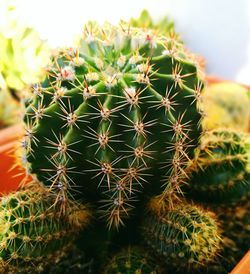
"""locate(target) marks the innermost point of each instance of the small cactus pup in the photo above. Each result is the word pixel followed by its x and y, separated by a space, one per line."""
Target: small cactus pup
pixel 33 231
pixel 186 236
pixel 133 260
pixel 113 113
pixel 220 172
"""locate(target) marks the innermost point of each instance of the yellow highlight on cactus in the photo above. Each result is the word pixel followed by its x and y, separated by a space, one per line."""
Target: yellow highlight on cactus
pixel 226 105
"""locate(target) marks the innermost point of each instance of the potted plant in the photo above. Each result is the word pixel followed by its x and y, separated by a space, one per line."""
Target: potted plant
pixel 122 130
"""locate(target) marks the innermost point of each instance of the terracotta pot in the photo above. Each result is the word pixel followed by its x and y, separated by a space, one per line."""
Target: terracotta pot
pixel 243 267
pixel 10 173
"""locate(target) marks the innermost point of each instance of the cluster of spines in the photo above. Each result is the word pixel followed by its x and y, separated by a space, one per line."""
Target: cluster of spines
pixel 133 260
pixel 186 236
pixel 116 76
pixel 220 170
pixel 33 228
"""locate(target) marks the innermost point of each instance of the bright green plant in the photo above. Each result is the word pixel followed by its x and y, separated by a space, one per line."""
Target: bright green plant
pixel 22 52
pixel 145 21
pixel 22 56
pixel 116 116
pixel 33 229
pixel 186 236
pixel 220 172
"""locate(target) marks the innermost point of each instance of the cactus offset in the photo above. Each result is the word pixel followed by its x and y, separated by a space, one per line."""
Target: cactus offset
pixel 132 260
pixel 226 105
pixel 187 237
pixel 220 172
pixel 112 113
pixel 33 230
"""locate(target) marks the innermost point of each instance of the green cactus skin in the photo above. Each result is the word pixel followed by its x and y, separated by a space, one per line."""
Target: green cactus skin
pixel 187 237
pixel 164 26
pixel 120 109
pixel 220 172
pixel 33 230
pixel 132 260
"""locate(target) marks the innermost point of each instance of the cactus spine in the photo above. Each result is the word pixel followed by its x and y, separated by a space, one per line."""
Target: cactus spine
pixel 186 236
pixel 121 108
pixel 33 230
pixel 221 170
pixel 132 260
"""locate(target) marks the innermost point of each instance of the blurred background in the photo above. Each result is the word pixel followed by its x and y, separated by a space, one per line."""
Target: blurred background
pixel 219 30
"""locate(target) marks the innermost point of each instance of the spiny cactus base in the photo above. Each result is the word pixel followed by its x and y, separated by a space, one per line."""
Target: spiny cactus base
pixel 112 114
pixel 186 236
pixel 133 260
pixel 221 170
pixel 32 229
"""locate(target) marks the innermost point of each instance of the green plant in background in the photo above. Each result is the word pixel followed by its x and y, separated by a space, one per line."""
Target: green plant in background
pixel 220 172
pixel 122 108
pixel 133 260
pixel 22 56
pixel 9 113
pixel 226 105
pixel 33 230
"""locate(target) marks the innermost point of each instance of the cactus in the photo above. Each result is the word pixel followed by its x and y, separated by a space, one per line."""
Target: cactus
pixel 118 109
pixel 220 172
pixel 226 105
pixel 132 260
pixel 187 237
pixel 164 26
pixel 73 261
pixel 33 229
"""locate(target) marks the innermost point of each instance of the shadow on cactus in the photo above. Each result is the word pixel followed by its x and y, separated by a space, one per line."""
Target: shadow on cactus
pixel 34 230
pixel 116 118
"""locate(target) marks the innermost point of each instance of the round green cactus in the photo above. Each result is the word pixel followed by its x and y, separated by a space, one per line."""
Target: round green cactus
pixel 112 113
pixel 221 169
pixel 226 105
pixel 132 260
pixel 186 236
pixel 33 229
